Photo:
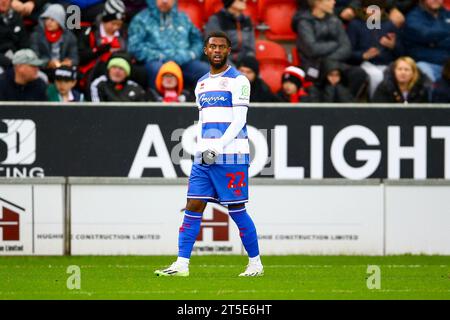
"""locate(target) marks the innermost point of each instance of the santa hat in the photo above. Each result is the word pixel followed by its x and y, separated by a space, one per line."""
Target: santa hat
pixel 294 75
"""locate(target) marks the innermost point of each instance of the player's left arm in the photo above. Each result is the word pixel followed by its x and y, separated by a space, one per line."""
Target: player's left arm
pixel 241 101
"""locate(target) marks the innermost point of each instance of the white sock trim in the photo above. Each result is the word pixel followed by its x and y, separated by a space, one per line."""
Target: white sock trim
pixel 183 261
pixel 255 260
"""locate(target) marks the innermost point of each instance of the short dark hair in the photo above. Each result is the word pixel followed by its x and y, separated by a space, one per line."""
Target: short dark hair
pixel 217 34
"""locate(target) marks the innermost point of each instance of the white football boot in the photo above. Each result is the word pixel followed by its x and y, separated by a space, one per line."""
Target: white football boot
pixel 176 269
pixel 253 270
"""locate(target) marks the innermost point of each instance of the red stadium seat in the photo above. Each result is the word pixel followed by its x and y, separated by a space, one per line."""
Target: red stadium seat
pixel 447 4
pixel 195 10
pixel 272 61
pixel 212 6
pixel 277 15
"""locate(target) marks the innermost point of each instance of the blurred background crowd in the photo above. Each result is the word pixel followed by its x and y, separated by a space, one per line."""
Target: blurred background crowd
pixel 395 51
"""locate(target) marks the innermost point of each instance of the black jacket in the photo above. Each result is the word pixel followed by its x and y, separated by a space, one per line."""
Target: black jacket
pixel 441 92
pixel 104 90
pixel 11 91
pixel 260 92
pixel 12 35
pixel 388 91
pixel 320 39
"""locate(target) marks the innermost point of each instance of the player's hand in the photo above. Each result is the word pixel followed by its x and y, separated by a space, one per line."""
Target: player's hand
pixel 209 156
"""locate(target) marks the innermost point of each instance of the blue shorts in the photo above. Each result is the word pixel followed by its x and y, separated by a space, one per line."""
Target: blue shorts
pixel 226 184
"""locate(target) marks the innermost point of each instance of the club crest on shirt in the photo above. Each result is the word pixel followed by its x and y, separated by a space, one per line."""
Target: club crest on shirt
pixel 223 84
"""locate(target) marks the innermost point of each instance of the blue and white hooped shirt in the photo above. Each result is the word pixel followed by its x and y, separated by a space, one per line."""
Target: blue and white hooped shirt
pixel 216 95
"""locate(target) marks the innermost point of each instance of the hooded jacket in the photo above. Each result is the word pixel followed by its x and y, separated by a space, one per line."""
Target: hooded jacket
pixel 239 30
pixel 164 37
pixel 172 68
pixel 67 43
pixel 320 39
pixel 389 92
pixel 323 91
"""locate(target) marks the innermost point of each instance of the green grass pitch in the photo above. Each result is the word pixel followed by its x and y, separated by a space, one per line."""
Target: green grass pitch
pixel 215 277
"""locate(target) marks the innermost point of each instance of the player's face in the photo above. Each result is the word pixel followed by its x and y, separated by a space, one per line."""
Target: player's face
pixel 217 51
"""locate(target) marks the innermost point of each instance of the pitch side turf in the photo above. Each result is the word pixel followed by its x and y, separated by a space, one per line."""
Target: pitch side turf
pixel 215 277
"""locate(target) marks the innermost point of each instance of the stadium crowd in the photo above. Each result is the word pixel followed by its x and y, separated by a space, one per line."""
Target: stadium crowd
pixel 151 50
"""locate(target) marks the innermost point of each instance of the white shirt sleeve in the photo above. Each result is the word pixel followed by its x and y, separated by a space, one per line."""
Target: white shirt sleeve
pixel 241 101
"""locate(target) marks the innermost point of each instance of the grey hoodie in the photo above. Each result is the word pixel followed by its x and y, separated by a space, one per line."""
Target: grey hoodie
pixel 65 47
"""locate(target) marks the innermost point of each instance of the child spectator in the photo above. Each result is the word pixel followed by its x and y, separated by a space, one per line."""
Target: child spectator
pixel 52 41
pixel 63 88
pixel 13 36
pixel 332 87
pixel 427 36
pixel 115 84
pixel 373 49
pixel 99 41
pixel 292 85
pixel 441 92
pixel 237 26
pixel 169 85
pixel 402 84
pixel 260 91
pixel 21 83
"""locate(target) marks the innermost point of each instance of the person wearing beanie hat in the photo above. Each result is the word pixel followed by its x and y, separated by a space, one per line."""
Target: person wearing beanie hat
pixel 63 88
pixel 115 85
pixel 52 41
pixel 292 85
pixel 114 10
pixel 238 27
pixel 260 91
pixel 99 41
pixel 169 85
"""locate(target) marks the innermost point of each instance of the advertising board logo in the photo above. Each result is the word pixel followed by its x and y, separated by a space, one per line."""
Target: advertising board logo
pixel 17 142
pixel 10 220
pixel 219 225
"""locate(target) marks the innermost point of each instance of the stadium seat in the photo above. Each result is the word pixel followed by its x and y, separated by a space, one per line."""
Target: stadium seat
pixel 277 15
pixel 272 61
pixel 447 4
pixel 212 6
pixel 195 9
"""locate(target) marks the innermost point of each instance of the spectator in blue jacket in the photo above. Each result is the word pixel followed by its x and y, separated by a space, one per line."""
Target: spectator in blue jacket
pixel 373 49
pixel 427 36
pixel 161 33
